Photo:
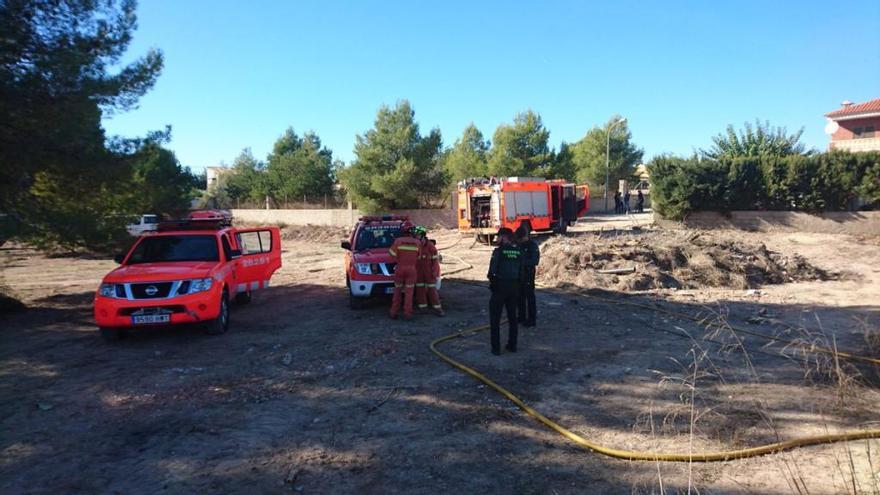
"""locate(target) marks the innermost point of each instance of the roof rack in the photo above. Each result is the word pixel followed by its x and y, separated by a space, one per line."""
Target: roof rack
pixel 384 218
pixel 199 220
pixel 223 216
pixel 197 224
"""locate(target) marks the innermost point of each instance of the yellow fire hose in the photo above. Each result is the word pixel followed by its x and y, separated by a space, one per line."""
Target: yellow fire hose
pixel 650 456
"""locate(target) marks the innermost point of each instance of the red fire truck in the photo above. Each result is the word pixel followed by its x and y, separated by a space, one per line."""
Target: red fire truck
pixel 542 205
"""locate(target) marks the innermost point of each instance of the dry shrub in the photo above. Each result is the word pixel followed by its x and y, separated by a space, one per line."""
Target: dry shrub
pixel 669 259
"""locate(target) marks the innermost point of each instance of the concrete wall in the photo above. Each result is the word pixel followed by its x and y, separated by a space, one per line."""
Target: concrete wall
pixel 838 222
pixel 339 217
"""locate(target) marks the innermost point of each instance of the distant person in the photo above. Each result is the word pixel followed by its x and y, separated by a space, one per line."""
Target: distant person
pixel 618 203
pixel 640 202
pixel 505 275
pixel 626 202
pixel 526 309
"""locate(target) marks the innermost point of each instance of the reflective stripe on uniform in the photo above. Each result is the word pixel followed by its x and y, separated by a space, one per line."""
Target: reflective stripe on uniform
pixel 406 247
pixel 391 251
pixel 409 286
pixel 423 306
pixel 398 285
pixel 437 306
pixel 434 257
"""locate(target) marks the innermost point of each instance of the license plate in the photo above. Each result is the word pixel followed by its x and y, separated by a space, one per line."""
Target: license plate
pixel 389 290
pixel 150 319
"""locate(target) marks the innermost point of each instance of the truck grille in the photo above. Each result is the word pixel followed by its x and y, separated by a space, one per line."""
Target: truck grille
pixel 156 290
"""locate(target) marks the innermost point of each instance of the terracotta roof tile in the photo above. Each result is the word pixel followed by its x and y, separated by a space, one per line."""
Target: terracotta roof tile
pixel 866 107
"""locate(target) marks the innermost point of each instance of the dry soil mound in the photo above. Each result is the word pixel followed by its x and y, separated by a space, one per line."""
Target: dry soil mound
pixel 314 233
pixel 669 259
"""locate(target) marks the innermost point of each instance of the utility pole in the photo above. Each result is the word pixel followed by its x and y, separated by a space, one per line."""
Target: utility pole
pixel 611 126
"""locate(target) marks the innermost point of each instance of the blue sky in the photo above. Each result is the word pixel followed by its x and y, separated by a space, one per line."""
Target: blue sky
pixel 238 73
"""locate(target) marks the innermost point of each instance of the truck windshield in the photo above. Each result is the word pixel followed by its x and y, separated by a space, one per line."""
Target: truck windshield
pixel 376 236
pixel 175 248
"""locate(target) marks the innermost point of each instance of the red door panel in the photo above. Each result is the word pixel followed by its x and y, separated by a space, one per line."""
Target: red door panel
pixel 260 257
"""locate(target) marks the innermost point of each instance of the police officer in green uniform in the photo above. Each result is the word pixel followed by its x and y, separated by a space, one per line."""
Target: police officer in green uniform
pixel 505 276
pixel 531 258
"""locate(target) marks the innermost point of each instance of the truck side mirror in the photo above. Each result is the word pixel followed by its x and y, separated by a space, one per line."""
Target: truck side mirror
pixel 119 258
pixel 346 245
pixel 235 253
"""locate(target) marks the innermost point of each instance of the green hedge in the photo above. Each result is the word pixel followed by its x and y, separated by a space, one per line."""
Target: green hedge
pixel 821 182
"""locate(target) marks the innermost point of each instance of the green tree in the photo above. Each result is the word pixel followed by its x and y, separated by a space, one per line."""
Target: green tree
pixel 869 188
pixel 467 157
pixel 521 149
pixel 298 167
pixel 681 185
pixel 563 166
pixel 395 166
pixel 760 140
pixel 159 184
pixel 589 154
pixel 61 70
pixel 246 181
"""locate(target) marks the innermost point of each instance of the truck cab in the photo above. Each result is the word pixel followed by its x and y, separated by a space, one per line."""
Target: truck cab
pixel 186 272
pixel 369 266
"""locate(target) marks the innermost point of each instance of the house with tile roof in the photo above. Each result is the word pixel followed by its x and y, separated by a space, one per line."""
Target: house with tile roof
pixel 855 127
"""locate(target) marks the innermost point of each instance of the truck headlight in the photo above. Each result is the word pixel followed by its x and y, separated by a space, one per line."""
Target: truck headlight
pixel 364 269
pixel 107 290
pixel 200 285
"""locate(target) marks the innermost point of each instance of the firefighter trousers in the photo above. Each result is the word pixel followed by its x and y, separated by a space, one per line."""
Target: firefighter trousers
pixel 504 297
pixel 404 290
pixel 426 293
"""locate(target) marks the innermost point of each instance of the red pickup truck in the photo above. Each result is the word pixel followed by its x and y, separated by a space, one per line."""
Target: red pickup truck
pixel 369 266
pixel 186 272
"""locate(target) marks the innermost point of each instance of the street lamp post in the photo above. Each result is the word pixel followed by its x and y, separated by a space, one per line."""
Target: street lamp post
pixel 622 120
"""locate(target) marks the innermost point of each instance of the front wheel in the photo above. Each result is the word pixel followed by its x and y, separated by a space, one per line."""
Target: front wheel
pixel 220 324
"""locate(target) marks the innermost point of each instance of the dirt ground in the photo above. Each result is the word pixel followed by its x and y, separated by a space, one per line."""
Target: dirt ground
pixel 304 395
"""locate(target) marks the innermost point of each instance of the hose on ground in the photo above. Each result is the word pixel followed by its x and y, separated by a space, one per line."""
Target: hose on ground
pixel 633 455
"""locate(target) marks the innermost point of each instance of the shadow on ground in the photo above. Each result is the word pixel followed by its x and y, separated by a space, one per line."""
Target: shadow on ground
pixel 304 394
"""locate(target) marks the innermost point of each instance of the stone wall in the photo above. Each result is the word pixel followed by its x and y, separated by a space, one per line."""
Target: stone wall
pixel 837 222
pixel 339 217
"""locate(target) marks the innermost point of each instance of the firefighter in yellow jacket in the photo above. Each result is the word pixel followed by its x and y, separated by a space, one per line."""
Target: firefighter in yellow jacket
pixel 428 273
pixel 405 250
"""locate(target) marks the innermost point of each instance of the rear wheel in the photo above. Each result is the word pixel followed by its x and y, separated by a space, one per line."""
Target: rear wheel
pixel 111 334
pixel 220 324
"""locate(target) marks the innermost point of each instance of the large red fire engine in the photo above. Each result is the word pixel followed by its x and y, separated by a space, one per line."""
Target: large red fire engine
pixel 541 205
